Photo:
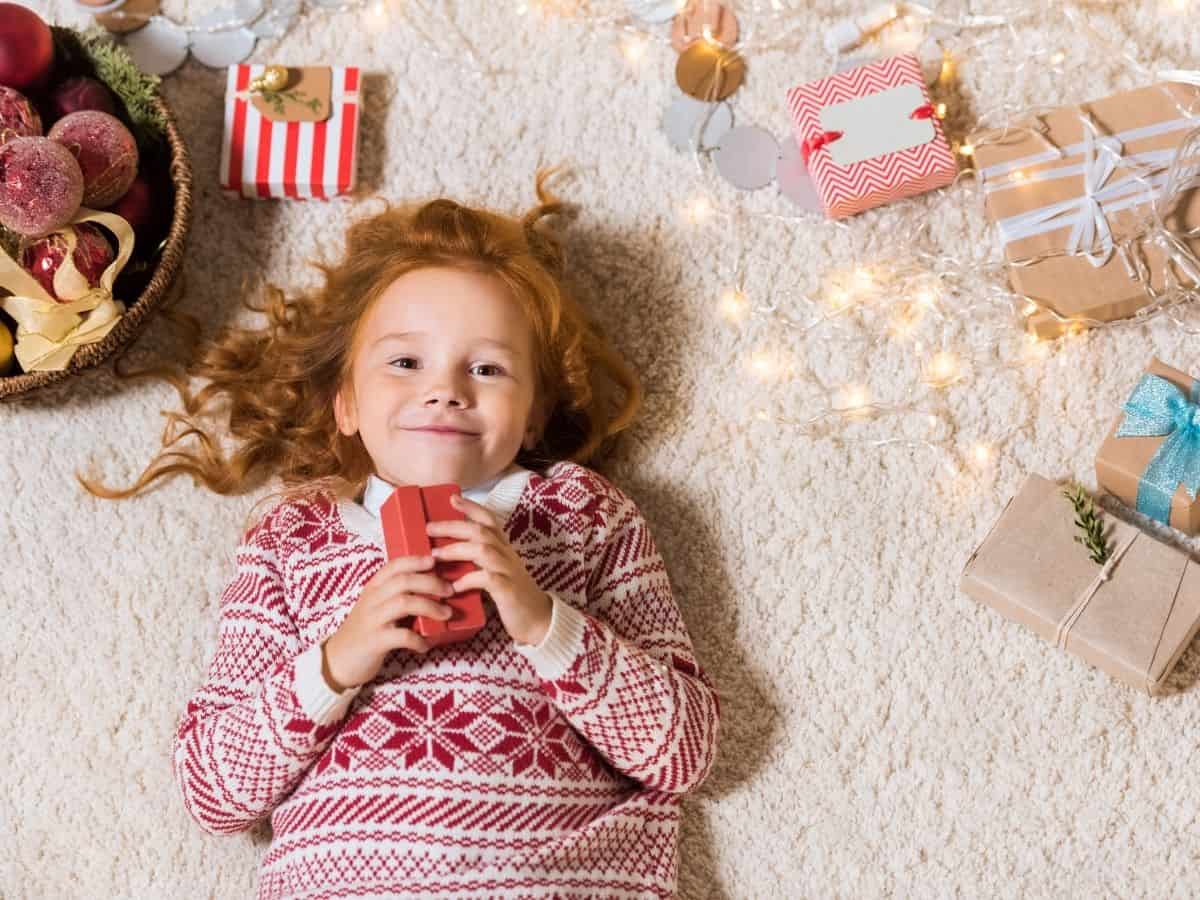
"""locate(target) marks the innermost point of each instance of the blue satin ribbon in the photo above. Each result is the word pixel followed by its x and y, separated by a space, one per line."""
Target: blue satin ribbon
pixel 1157 407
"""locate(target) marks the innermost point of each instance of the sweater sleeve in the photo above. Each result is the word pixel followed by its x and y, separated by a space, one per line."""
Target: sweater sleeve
pixel 264 713
pixel 623 671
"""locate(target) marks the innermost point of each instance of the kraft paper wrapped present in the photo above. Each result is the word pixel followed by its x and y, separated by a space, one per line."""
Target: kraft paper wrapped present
pixel 1132 617
pixel 870 136
pixel 293 135
pixel 1063 221
pixel 1151 457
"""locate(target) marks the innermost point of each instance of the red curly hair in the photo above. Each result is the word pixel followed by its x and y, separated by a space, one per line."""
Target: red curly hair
pixel 272 389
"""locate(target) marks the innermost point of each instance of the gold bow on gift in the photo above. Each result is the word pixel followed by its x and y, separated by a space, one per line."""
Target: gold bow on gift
pixel 48 331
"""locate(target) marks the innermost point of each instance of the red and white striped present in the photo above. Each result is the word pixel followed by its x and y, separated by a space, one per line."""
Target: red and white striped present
pixel 284 153
pixel 870 135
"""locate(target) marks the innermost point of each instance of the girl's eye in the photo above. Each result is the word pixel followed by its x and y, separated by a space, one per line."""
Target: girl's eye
pixel 493 370
pixel 403 361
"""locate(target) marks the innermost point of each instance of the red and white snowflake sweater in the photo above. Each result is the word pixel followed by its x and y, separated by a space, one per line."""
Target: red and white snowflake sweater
pixel 480 769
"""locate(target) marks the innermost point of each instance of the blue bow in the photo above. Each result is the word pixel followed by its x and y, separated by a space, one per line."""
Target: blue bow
pixel 1157 407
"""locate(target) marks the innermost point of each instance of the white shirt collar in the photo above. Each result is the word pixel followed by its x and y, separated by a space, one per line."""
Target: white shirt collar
pixel 499 494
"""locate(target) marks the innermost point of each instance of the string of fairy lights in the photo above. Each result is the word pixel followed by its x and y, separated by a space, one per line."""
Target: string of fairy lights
pixel 909 298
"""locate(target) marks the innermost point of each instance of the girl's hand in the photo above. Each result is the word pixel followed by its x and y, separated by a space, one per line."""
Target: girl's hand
pixel 378 623
pixel 524 608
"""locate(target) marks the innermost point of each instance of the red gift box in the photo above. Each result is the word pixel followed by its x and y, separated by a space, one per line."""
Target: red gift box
pixel 404 516
pixel 870 135
pixel 299 142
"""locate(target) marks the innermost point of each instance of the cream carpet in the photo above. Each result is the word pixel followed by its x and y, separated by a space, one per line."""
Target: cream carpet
pixel 882 735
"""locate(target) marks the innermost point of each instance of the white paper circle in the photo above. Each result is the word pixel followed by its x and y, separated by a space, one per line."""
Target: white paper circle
pixel 93 10
pixel 221 49
pixel 747 156
pixel 794 181
pixel 160 47
pixel 278 19
pixel 684 116
pixel 653 11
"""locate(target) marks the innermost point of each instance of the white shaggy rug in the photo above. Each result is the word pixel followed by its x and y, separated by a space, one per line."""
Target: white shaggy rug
pixel 882 735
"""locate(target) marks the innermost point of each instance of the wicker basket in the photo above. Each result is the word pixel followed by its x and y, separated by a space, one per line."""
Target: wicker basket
pixel 136 315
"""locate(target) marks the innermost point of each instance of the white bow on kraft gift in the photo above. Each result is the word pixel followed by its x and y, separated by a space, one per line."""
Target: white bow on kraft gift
pixel 1090 234
pixel 1182 176
pixel 49 331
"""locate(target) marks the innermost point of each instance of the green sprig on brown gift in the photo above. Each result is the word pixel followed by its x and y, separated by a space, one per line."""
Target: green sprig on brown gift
pixel 1088 521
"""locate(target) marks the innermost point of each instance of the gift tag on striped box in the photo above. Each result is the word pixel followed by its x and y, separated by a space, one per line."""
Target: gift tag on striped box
pixel 300 142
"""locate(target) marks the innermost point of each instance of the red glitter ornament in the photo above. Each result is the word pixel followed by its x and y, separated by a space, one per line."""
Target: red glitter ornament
pixel 41 185
pixel 139 209
pixel 18 118
pixel 106 151
pixel 26 48
pixel 93 254
pixel 77 94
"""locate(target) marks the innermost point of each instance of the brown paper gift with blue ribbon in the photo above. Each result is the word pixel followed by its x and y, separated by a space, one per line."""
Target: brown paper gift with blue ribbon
pixel 1151 457
pixel 1131 617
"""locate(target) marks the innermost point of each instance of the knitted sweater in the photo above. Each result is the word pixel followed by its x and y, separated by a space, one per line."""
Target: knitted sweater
pixel 483 768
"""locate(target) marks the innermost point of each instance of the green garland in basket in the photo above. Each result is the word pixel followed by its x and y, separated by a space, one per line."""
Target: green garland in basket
pixel 93 52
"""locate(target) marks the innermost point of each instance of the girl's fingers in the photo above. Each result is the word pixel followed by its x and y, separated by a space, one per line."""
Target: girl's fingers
pixel 404 564
pixel 414 605
pixel 461 531
pixel 417 583
pixel 480 579
pixel 485 556
pixel 475 512
pixel 406 639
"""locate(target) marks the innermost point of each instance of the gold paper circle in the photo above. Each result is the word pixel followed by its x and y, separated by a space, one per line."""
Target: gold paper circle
pixel 131 16
pixel 689 25
pixel 709 73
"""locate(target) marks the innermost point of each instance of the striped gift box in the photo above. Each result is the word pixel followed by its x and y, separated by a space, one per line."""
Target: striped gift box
pixel 262 157
pixel 870 136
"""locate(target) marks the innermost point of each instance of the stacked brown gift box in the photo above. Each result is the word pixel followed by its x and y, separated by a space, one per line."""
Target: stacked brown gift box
pixel 1096 586
pixel 1063 220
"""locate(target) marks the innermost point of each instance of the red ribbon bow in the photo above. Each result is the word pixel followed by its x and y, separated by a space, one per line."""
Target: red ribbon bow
pixel 922 112
pixel 816 142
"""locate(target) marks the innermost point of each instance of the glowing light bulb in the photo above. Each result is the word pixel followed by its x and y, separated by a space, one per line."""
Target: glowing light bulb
pixel 942 369
pixel 1057 58
pixel 1018 176
pixel 734 305
pixel 967 149
pixel 1029 308
pixel 863 278
pixel 947 72
pixel 940 110
pixel 855 401
pixel 762 364
pixel 379 11
pixel 699 210
pixel 1075 329
pixel 634 49
pixel 840 300
pixel 982 454
pixel 927 297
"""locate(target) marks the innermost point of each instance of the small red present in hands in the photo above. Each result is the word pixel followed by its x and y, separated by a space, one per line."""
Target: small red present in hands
pixel 405 515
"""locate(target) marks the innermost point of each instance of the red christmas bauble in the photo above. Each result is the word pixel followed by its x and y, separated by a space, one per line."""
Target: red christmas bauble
pixel 93 254
pixel 41 185
pixel 26 48
pixel 138 208
pixel 106 151
pixel 77 94
pixel 18 118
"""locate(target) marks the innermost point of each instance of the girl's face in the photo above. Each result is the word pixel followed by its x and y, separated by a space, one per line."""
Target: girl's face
pixel 442 379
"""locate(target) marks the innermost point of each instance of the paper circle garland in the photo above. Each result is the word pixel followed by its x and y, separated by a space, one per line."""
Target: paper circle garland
pixel 160 48
pixel 684 116
pixel 709 73
pixel 746 157
pixel 689 26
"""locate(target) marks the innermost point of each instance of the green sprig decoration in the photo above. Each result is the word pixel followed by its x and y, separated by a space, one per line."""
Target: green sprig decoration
pixel 92 52
pixel 1088 521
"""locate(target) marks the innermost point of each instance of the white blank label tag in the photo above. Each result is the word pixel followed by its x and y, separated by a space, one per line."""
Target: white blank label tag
pixel 876 125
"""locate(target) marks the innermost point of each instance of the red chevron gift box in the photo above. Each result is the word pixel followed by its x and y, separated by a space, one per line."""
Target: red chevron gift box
pixel 290 132
pixel 870 136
